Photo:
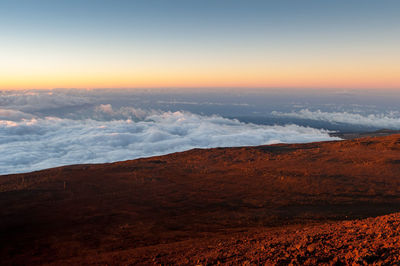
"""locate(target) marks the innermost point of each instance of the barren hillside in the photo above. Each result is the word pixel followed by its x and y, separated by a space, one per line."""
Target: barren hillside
pixel 156 209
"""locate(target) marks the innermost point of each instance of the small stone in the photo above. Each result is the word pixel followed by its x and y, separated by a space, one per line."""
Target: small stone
pixel 298 246
pixel 311 248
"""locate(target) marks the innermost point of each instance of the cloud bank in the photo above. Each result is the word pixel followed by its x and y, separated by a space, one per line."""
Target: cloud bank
pixel 47 128
pixel 32 100
pixel 31 143
pixel 389 121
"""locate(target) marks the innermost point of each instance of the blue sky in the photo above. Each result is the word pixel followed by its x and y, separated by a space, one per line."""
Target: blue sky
pixel 199 43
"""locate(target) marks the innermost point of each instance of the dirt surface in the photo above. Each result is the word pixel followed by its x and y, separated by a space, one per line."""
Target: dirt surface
pixel 360 242
pixel 264 204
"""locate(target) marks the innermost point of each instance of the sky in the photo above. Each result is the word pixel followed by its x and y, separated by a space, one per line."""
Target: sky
pixel 186 44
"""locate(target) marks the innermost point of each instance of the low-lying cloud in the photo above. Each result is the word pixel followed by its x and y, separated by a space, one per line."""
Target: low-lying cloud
pixel 388 121
pixel 48 128
pixel 13 115
pixel 33 100
pixel 30 143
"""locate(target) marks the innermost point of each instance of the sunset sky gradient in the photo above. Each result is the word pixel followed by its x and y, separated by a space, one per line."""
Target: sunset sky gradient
pixel 199 44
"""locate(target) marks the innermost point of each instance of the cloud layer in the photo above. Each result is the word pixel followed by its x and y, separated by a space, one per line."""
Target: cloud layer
pixel 32 143
pixel 389 121
pixel 42 129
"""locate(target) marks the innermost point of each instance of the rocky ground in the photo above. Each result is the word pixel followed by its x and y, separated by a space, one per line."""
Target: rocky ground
pixel 278 204
pixel 372 240
pixel 360 242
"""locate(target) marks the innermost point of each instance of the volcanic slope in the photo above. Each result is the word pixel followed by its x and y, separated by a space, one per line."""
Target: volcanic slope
pixel 126 211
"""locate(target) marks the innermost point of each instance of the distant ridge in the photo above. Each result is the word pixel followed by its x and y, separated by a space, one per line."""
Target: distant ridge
pixel 355 135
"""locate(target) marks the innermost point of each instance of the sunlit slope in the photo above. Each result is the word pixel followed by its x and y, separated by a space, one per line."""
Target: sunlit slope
pixel 85 209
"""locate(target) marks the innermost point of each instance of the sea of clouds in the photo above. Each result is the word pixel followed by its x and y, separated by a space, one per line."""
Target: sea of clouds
pixel 390 120
pixel 43 129
pixel 30 143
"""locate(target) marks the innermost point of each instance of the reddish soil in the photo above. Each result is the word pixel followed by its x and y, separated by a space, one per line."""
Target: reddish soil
pixel 266 204
pixel 360 242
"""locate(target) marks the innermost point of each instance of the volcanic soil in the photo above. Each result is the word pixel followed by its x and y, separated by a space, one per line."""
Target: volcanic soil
pixel 279 204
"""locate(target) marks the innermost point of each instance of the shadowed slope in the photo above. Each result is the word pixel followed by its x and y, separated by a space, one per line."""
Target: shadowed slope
pixel 88 209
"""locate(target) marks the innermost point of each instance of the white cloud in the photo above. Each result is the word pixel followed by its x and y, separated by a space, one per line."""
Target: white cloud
pixel 31 100
pixel 389 121
pixel 13 115
pixel 37 143
pixel 104 127
pixel 106 111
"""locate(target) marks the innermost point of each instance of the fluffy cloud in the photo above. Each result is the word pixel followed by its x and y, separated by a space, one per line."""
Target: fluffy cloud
pixel 37 143
pixel 13 115
pixel 32 100
pixel 389 121
pixel 48 128
pixel 107 112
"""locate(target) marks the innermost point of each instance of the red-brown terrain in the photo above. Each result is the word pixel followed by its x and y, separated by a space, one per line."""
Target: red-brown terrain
pixel 299 203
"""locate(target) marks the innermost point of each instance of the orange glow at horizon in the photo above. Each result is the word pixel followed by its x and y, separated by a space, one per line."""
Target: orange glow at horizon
pixel 216 78
pixel 350 70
